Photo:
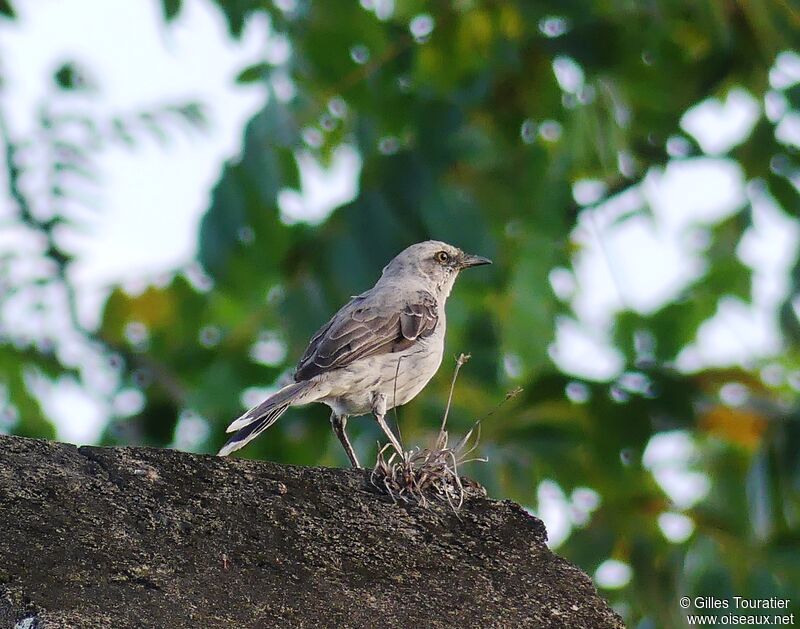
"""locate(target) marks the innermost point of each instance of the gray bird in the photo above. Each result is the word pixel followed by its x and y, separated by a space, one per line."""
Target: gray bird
pixel 379 351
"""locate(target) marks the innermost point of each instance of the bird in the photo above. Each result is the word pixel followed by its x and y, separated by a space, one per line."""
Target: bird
pixel 377 352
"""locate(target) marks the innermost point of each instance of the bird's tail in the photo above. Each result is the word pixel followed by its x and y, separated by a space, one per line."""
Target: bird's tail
pixel 259 418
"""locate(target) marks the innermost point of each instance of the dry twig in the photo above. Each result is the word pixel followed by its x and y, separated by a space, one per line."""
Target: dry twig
pixel 417 474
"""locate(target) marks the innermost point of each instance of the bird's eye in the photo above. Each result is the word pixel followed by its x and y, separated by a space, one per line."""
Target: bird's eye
pixel 442 257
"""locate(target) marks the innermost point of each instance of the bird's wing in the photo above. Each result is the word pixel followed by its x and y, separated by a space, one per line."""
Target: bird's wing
pixel 367 326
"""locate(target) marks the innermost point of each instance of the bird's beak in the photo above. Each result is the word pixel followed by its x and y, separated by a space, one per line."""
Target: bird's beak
pixel 469 260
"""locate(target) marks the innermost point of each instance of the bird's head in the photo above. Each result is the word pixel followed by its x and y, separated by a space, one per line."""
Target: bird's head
pixel 434 262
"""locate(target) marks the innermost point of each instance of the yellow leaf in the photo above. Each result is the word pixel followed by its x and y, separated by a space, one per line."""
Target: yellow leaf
pixel 475 32
pixel 735 425
pixel 510 21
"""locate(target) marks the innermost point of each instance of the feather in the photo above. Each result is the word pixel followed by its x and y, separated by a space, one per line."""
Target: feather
pixel 368 327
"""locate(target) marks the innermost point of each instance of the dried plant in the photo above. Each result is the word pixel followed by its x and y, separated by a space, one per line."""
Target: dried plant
pixel 419 474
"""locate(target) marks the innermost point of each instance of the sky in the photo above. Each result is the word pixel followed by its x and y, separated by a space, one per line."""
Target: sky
pixel 154 197
pixel 143 63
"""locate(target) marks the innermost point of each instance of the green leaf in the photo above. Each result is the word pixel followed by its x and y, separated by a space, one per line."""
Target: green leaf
pixel 71 77
pixel 254 73
pixel 15 365
pixel 6 9
pixel 246 198
pixel 784 193
pixel 528 316
pixel 171 8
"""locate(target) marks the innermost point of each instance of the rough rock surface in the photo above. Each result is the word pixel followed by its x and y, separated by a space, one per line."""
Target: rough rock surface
pixel 139 538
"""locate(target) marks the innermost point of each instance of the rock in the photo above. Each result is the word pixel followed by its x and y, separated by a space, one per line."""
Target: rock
pixel 138 537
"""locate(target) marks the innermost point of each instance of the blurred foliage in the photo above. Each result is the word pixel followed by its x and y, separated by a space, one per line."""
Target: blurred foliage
pixel 466 135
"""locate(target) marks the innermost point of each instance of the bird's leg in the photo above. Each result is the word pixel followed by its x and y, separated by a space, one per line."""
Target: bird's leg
pixel 339 422
pixel 379 410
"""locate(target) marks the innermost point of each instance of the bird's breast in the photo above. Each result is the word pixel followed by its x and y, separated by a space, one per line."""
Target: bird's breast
pixel 409 372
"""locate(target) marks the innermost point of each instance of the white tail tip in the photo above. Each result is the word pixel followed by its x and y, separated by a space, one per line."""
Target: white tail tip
pixel 240 423
pixel 228 448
